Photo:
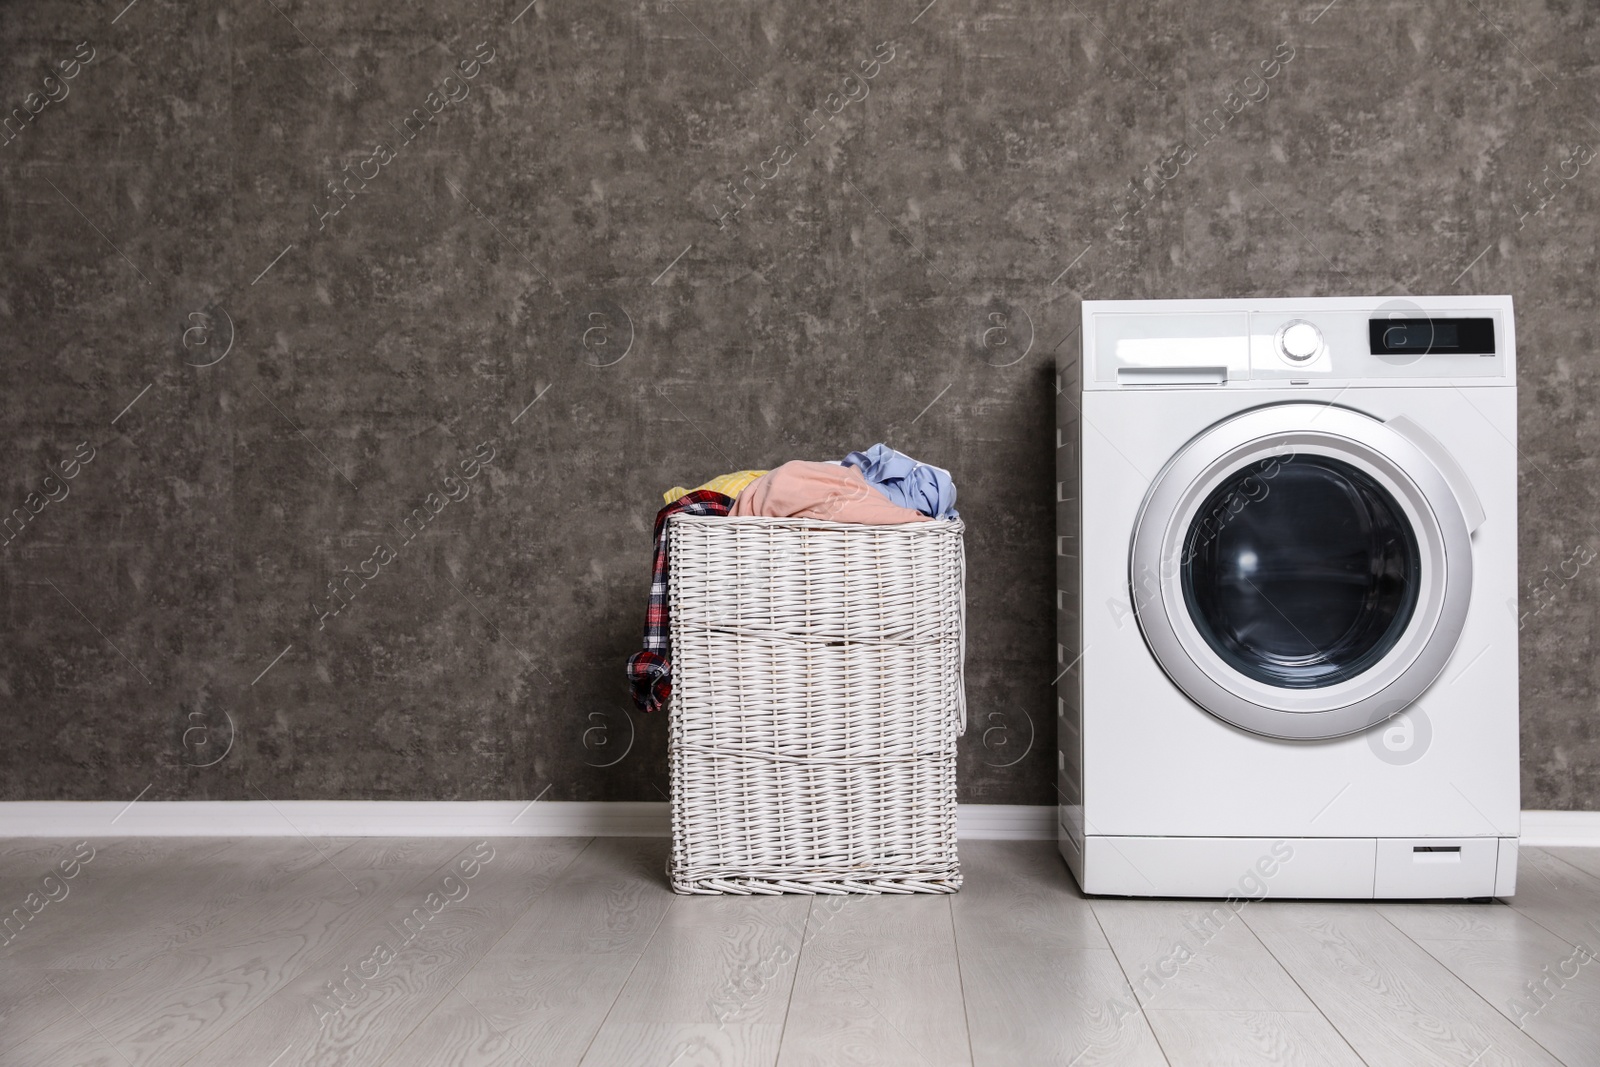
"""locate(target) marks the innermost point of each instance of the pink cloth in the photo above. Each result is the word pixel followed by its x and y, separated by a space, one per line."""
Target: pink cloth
pixel 803 490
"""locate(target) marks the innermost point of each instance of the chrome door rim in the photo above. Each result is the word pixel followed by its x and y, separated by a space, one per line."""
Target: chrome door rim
pixel 1417 486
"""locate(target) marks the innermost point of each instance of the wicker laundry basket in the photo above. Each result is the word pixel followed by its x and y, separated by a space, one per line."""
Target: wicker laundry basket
pixel 816 701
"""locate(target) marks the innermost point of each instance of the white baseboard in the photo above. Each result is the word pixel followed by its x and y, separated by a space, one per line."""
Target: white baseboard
pixel 1544 829
pixel 1006 822
pixel 512 818
pixel 402 818
pixel 333 818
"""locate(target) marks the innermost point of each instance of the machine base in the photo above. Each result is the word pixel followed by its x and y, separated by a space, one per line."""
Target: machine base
pixel 1310 868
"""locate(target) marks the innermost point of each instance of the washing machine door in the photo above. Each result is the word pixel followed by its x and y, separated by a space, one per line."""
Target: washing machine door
pixel 1303 570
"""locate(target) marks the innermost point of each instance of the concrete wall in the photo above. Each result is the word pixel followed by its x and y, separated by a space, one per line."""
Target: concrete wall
pixel 552 274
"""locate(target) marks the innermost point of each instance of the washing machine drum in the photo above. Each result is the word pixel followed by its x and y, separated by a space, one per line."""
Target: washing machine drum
pixel 1303 570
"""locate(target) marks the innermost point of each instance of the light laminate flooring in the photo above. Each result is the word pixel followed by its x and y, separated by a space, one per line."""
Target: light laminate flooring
pixel 283 952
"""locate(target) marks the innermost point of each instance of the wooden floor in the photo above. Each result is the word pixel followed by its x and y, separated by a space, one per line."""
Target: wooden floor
pixel 286 952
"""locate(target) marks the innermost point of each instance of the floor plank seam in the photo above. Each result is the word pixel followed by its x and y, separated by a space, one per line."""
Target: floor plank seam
pixel 1132 992
pixel 504 933
pixel 794 981
pixel 289 979
pixel 149 959
pixel 1303 991
pixel 1583 875
pixel 42 1020
pixel 961 979
pixel 623 985
pixel 1466 985
pixel 1522 871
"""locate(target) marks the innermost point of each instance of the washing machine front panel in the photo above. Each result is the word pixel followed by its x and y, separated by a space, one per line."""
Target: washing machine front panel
pixel 1302 571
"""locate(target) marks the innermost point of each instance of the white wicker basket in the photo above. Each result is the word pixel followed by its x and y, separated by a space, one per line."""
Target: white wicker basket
pixel 816 701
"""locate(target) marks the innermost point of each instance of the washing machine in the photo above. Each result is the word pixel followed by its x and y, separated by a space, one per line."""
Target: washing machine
pixel 1286 598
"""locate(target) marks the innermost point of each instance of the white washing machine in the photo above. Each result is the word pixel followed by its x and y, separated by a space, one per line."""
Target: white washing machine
pixel 1287 598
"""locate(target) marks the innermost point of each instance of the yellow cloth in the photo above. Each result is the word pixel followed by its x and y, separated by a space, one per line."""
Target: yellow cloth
pixel 726 484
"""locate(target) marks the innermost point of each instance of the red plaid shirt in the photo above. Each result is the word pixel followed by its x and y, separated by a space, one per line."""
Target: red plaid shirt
pixel 649 670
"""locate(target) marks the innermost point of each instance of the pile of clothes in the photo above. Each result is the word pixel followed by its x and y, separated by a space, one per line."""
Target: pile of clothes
pixel 877 487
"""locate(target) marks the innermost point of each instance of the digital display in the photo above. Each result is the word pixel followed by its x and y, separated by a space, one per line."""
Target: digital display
pixel 1416 336
pixel 1405 338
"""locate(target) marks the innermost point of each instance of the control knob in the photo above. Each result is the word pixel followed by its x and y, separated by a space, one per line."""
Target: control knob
pixel 1299 341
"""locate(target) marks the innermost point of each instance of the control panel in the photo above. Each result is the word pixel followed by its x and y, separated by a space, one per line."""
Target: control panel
pixel 1239 344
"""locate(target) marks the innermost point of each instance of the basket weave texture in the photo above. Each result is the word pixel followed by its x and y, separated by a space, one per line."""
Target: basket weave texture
pixel 816 702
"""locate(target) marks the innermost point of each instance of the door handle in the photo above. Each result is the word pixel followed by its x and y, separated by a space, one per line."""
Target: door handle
pixel 1460 484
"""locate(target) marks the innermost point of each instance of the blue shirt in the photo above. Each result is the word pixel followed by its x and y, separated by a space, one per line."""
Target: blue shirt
pixel 907 482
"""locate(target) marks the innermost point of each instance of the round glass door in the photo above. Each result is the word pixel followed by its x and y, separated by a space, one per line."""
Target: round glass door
pixel 1306 581
pixel 1301 570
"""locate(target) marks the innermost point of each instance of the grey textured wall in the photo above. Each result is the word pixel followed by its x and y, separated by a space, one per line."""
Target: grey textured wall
pixel 271 377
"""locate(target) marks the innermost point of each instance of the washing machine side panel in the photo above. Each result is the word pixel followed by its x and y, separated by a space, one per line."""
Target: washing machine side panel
pixel 1155 764
pixel 1068 587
